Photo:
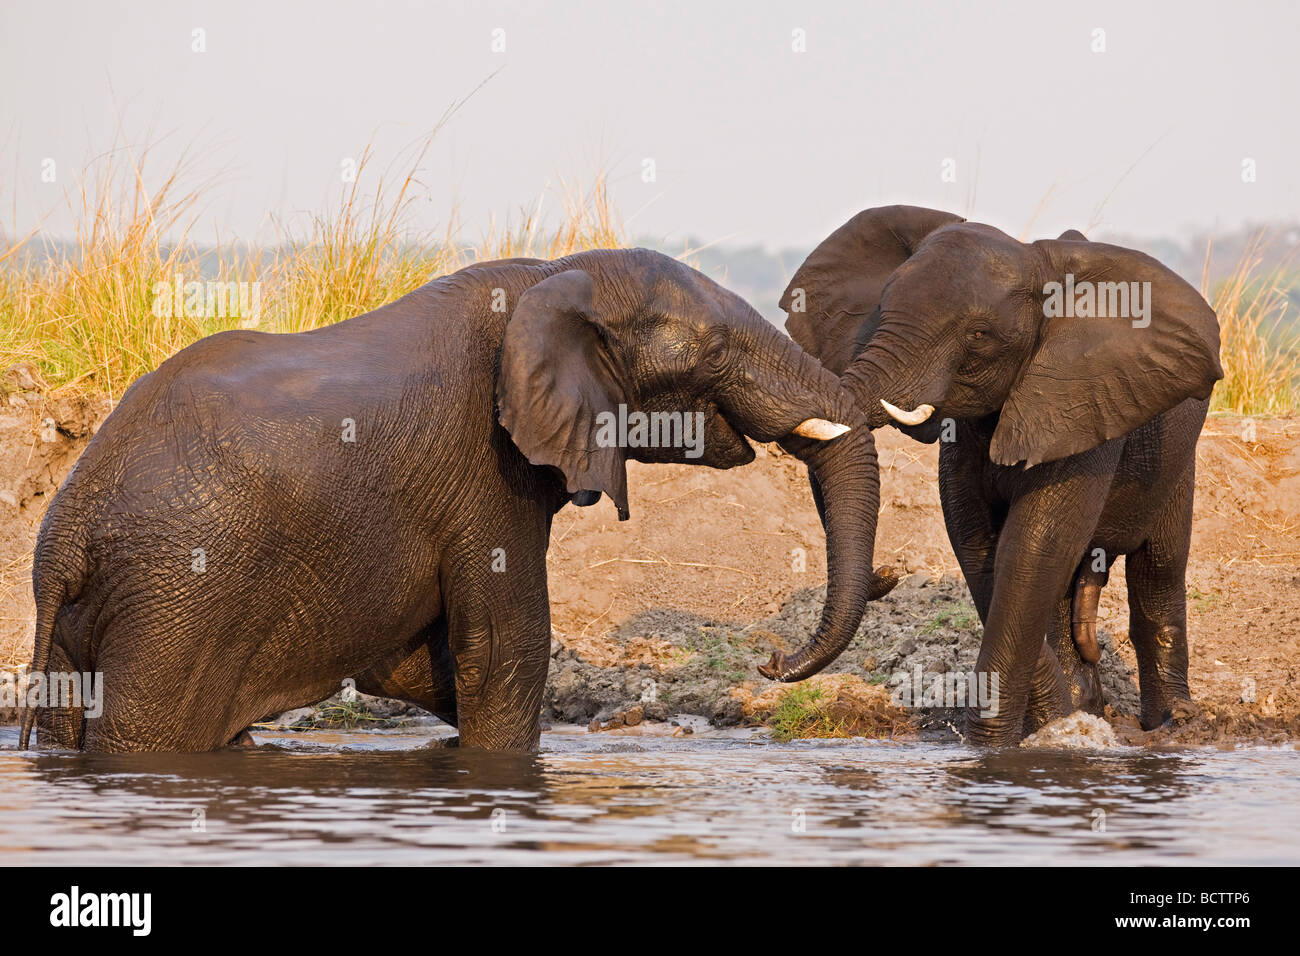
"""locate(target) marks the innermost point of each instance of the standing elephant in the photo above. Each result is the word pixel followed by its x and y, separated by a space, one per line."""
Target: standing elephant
pixel 265 516
pixel 1069 381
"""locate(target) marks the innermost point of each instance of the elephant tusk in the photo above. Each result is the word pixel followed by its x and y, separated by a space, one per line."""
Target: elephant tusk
pixel 820 429
pixel 921 413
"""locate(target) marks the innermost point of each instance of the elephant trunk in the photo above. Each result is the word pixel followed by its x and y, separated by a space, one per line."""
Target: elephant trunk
pixel 846 484
pixel 888 384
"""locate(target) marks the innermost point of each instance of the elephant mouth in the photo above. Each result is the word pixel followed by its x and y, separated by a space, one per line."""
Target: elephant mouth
pixel 927 432
pixel 716 443
pixel 723 443
pixel 725 446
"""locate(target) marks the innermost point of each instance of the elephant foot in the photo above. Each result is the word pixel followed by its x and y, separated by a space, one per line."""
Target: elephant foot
pixel 1177 711
pixel 1035 720
pixel 1049 692
pixel 443 743
pixel 991 732
pixel 1047 698
pixel 243 739
pixel 1083 684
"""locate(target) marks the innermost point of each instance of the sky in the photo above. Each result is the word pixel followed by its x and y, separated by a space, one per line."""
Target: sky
pixel 732 122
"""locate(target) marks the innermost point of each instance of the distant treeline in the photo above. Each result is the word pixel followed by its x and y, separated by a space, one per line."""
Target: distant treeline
pixel 760 275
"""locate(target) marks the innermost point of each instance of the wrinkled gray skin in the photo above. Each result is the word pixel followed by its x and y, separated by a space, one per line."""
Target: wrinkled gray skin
pixel 1070 441
pixel 379 559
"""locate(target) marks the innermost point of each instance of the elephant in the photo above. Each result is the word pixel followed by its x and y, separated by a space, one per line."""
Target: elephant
pixel 265 516
pixel 1069 381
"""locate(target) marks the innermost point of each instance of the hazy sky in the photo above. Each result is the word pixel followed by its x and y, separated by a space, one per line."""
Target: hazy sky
pixel 751 140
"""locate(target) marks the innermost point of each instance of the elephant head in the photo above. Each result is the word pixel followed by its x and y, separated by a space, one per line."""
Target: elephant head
pixel 619 354
pixel 1068 342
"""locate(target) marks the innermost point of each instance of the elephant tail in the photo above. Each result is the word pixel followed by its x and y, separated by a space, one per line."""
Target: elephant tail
pixel 58 572
pixel 46 612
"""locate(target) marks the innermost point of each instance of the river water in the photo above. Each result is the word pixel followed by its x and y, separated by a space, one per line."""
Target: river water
pixel 386 797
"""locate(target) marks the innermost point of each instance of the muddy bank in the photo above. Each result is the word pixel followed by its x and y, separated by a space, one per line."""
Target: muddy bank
pixel 673 610
pixel 40 438
pixel 723 551
pixel 706 667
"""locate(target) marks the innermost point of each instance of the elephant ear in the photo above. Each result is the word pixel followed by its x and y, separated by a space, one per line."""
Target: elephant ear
pixel 1096 378
pixel 834 294
pixel 561 368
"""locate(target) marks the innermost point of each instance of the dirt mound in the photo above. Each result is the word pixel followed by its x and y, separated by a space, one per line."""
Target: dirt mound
pixel 826 705
pixel 674 609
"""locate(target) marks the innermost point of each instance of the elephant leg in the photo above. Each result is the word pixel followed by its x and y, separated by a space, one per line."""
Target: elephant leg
pixel 1051 520
pixel 166 687
pixel 973 526
pixel 184 677
pixel 1049 694
pixel 499 636
pixel 971 522
pixel 425 677
pixel 1157 600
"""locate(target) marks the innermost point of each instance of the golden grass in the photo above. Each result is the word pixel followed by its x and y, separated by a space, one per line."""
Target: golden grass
pixel 827 706
pixel 1258 338
pixel 88 316
pixel 87 319
pixel 84 316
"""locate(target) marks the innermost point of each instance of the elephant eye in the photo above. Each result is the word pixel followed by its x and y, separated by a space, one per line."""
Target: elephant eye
pixel 714 353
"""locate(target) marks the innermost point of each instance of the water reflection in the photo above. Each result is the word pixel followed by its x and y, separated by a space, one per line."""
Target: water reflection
pixel 384 797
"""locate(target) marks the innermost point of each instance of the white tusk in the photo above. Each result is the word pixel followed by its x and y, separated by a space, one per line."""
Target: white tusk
pixel 820 429
pixel 922 413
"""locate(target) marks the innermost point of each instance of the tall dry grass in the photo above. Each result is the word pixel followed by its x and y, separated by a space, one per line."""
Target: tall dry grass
pixel 83 314
pixel 1259 336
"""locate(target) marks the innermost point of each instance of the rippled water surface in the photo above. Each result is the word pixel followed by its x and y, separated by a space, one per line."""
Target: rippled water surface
pixel 366 798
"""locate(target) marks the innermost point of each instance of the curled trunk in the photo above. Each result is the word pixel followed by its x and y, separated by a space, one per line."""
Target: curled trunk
pixel 846 483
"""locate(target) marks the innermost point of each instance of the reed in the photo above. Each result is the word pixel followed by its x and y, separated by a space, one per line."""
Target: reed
pixel 100 311
pixel 1259 345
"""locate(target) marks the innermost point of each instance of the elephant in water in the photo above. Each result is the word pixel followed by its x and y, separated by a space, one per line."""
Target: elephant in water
pixel 265 516
pixel 1068 381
